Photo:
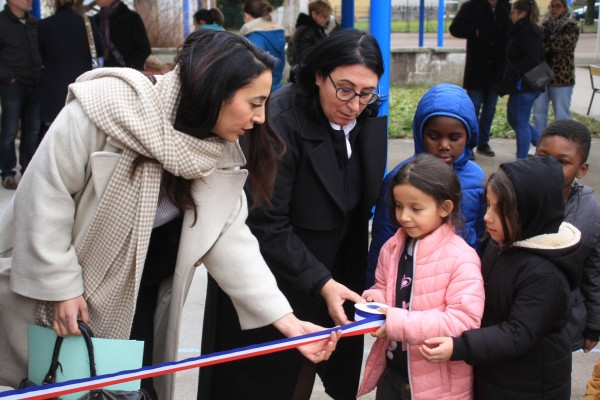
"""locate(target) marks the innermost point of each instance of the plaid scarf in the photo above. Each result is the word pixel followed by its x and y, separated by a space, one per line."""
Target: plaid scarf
pixel 127 107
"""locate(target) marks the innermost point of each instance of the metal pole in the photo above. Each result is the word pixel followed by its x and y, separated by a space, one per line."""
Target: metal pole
pixel 186 18
pixel 421 22
pixel 380 25
pixel 37 9
pixel 440 41
pixel 347 14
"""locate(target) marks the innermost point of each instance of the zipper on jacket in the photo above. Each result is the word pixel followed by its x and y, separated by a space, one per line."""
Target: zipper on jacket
pixel 409 310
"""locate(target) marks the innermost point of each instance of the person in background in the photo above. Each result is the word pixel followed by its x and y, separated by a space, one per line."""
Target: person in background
pixel 569 142
pixel 156 67
pixel 314 234
pixel 484 23
pixel 523 53
pixel 209 19
pixel 310 29
pixel 445 126
pixel 265 33
pixel 124 35
pixel 560 33
pixel 20 73
pixel 64 47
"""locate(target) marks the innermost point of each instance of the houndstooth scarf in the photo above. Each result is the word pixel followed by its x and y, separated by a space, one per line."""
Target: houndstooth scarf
pixel 127 107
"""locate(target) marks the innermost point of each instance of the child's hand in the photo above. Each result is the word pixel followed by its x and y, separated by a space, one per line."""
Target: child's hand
pixel 369 299
pixel 381 332
pixel 437 350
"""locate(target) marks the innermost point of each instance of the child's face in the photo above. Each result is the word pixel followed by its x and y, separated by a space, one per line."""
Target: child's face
pixel 417 212
pixel 445 138
pixel 566 153
pixel 492 218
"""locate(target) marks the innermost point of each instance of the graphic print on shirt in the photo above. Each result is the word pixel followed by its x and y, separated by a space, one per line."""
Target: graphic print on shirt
pixel 395 353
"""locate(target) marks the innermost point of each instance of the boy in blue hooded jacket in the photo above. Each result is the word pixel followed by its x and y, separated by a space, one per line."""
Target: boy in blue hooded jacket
pixel 445 125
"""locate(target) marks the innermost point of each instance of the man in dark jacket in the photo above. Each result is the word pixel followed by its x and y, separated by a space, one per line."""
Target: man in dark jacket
pixel 484 23
pixel 20 71
pixel 124 35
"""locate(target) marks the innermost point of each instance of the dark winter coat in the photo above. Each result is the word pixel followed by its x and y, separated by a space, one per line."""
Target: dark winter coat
pixel 522 350
pixel 300 237
pixel 583 211
pixel 307 34
pixel 19 55
pixel 486 31
pixel 523 53
pixel 65 51
pixel 128 34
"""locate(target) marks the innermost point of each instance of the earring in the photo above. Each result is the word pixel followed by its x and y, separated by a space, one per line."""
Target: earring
pixel 219 117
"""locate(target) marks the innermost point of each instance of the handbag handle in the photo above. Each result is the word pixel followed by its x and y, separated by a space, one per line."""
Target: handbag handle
pixel 87 334
pixel 90 36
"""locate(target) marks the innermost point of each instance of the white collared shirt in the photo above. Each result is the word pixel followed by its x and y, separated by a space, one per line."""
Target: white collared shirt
pixel 347 129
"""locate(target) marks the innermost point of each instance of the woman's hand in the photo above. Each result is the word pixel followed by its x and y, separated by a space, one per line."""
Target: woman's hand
pixel 66 314
pixel 335 295
pixel 380 333
pixel 291 326
pixel 437 350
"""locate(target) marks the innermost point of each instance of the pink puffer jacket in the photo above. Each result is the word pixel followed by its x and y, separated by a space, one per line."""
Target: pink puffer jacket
pixel 447 299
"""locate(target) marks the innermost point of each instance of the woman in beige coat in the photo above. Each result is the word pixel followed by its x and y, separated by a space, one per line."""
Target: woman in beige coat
pixel 133 187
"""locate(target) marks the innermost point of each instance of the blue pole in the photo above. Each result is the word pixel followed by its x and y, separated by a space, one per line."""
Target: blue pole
pixel 186 18
pixel 440 23
pixel 421 22
pixel 37 9
pixel 380 25
pixel 347 14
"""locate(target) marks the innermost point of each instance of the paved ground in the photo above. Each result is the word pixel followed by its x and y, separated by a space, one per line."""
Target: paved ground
pixel 399 150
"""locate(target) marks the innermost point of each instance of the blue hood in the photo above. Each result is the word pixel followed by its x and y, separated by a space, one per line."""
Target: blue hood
pixel 450 101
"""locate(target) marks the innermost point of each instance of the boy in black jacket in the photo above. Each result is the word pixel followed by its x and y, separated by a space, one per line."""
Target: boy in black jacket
pixel 569 142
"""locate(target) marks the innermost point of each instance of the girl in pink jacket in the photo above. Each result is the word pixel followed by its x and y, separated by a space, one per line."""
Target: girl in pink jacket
pixel 431 279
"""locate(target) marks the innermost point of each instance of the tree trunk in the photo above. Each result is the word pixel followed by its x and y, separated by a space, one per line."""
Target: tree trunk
pixel 291 9
pixel 589 13
pixel 163 21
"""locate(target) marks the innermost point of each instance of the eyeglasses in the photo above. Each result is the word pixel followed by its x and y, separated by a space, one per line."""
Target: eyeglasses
pixel 347 94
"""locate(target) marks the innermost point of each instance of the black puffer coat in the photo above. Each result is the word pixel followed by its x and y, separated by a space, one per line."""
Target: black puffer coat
pixel 523 52
pixel 486 31
pixel 307 34
pixel 522 350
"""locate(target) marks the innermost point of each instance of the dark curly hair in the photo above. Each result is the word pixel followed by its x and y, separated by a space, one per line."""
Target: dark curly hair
pixel 574 132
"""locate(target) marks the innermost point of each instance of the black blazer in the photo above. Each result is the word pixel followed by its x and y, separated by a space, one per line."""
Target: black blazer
pixel 128 34
pixel 300 233
pixel 65 52
pixel 486 31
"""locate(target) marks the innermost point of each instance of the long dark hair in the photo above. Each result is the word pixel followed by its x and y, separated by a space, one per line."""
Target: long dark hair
pixel 433 177
pixel 213 66
pixel 508 208
pixel 346 47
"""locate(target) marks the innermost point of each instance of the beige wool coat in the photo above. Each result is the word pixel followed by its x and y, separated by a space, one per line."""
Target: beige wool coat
pixel 53 208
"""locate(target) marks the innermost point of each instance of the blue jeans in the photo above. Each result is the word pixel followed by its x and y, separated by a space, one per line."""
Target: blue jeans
pixel 560 96
pixel 518 113
pixel 19 102
pixel 485 107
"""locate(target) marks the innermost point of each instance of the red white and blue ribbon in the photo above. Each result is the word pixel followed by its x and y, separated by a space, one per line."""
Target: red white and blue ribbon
pixel 367 322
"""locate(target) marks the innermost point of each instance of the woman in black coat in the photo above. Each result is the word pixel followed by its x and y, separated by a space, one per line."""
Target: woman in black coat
pixel 523 53
pixel 64 47
pixel 125 29
pixel 314 235
pixel 310 29
pixel 484 23
pixel 529 265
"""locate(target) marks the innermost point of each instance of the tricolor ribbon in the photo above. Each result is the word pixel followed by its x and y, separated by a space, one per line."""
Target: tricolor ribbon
pixel 363 325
